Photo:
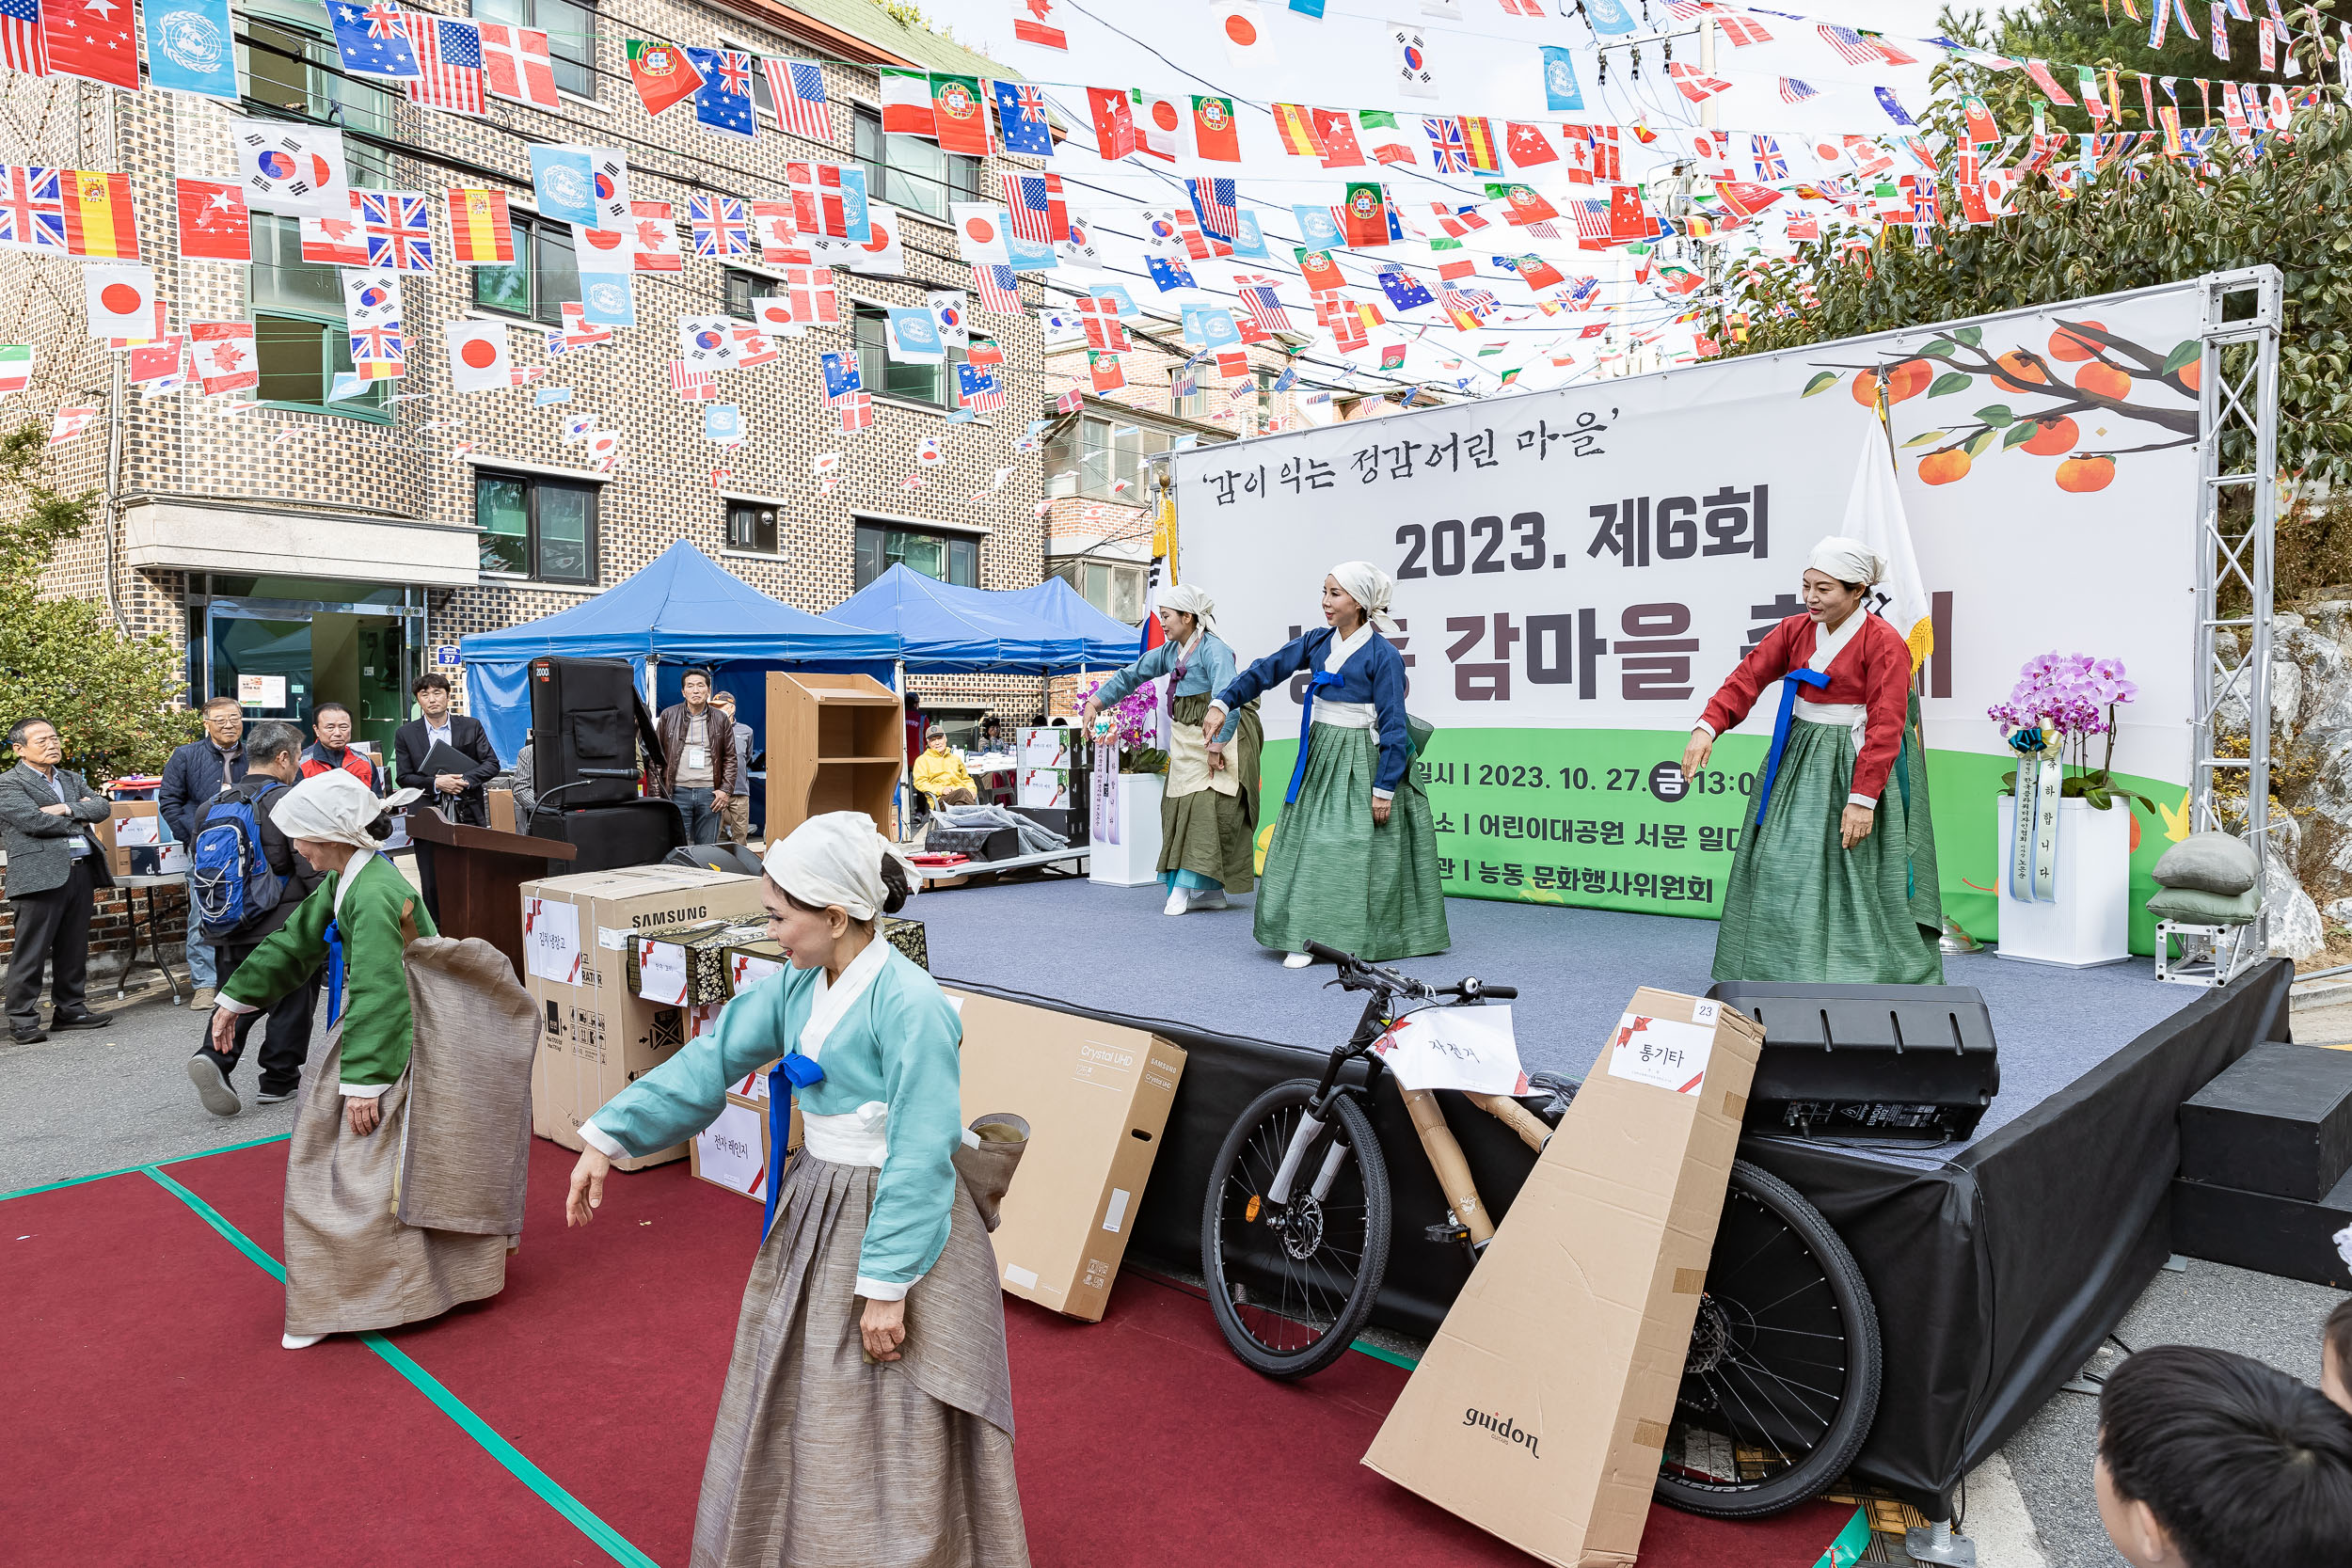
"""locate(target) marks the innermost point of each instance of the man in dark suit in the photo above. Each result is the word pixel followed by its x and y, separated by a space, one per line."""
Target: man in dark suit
pixel 55 867
pixel 457 795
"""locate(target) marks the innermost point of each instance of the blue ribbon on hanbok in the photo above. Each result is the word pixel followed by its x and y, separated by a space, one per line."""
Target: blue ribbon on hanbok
pixel 1320 678
pixel 334 972
pixel 795 1072
pixel 1788 685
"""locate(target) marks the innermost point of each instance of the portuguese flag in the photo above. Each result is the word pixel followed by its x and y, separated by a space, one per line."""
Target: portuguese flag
pixel 1392 356
pixel 662 74
pixel 959 114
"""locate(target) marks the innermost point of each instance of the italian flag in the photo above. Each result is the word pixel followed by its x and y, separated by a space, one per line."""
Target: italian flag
pixel 906 103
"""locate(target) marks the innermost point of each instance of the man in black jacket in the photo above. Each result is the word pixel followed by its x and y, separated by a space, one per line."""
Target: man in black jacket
pixel 459 796
pixel 196 773
pixel 272 763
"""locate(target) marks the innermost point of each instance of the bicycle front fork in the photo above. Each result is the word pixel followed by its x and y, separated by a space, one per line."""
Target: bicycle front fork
pixel 1302 1139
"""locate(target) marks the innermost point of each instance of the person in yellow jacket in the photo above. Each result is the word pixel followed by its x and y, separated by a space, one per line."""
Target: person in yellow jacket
pixel 941 774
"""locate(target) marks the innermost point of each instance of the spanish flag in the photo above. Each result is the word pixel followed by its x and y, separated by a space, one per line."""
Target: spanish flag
pixel 1478 139
pixel 478 228
pixel 1296 131
pixel 99 220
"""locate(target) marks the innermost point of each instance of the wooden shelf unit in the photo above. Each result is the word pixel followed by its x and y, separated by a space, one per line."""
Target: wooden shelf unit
pixel 834 744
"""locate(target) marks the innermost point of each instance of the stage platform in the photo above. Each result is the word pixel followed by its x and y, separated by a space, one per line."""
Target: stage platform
pixel 1998 1263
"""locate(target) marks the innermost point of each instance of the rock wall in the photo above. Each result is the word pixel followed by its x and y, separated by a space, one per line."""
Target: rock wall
pixel 2309 864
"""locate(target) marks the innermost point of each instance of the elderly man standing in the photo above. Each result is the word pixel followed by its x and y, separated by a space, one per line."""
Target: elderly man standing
pixel 197 773
pixel 55 869
pixel 738 812
pixel 699 771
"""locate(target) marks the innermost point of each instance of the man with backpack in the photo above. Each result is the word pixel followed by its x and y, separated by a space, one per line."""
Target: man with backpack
pixel 245 879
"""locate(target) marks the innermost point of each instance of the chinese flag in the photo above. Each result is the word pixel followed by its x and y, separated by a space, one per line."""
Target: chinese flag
pixel 99 219
pixel 1337 131
pixel 92 38
pixel 214 223
pixel 1627 221
pixel 1527 145
pixel 1114 121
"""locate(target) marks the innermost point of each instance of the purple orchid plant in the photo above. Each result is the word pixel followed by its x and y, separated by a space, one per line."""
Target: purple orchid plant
pixel 1135 725
pixel 2060 703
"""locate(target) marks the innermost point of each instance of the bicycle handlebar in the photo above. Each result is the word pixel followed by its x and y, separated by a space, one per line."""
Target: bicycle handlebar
pixel 1356 974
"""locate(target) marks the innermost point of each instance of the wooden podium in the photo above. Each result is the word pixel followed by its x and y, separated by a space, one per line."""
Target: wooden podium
pixel 478 876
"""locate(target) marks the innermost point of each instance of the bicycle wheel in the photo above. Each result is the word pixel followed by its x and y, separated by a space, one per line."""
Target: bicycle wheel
pixel 1292 1288
pixel 1782 1380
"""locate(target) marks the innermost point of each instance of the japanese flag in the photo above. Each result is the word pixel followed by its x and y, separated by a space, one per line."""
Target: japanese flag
pixel 122 301
pixel 478 360
pixel 979 232
pixel 225 357
pixel 1242 27
pixel 604 448
pixel 880 253
pixel 1160 123
pixel 772 314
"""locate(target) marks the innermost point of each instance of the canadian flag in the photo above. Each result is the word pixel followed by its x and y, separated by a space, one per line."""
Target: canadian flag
pixel 753 348
pixel 653 235
pixel 336 242
pixel 71 423
pixel 515 65
pixel 225 357
pixel 122 301
pixel 773 227
pixel 477 356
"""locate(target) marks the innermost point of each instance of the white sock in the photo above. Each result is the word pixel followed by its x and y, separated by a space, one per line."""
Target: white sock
pixel 299 1341
pixel 1179 900
pixel 1296 961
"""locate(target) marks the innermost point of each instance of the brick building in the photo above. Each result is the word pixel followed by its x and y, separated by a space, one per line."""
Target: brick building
pixel 330 547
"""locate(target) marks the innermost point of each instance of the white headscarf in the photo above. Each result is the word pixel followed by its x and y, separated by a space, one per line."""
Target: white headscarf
pixel 836 859
pixel 336 808
pixel 1193 602
pixel 1848 561
pixel 1369 586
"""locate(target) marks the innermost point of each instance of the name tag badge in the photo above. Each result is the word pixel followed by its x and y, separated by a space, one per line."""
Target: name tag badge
pixel 77 845
pixel 698 757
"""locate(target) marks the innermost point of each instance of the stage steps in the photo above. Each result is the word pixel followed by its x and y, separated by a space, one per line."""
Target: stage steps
pixel 2265 1177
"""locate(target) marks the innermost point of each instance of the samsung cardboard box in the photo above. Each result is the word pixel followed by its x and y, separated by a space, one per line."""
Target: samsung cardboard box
pixel 600 1036
pixel 1540 1411
pixel 1096 1097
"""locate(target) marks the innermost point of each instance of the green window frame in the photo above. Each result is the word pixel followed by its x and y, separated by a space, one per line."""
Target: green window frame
pixel 300 335
pixel 911 172
pixel 543 279
pixel 953 558
pixel 287 62
pixel 536 527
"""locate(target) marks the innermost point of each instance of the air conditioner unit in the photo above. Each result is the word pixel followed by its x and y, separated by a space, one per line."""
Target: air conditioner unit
pixel 1063 483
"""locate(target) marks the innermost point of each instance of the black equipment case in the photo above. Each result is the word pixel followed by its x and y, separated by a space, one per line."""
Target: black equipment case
pixel 1874 1062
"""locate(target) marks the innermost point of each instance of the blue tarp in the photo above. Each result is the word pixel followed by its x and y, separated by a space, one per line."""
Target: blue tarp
pixel 940 629
pixel 682 608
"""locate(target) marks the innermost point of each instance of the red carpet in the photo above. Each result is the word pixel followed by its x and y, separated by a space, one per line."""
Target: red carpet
pixel 1141 1440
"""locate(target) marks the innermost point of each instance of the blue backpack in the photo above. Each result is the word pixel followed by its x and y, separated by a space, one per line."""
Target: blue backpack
pixel 230 879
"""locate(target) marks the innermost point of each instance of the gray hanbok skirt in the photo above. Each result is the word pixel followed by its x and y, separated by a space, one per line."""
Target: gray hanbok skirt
pixel 823 1460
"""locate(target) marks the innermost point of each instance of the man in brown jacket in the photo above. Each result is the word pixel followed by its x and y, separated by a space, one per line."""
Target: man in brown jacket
pixel 700 771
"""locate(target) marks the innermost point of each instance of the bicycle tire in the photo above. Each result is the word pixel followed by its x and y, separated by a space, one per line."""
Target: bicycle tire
pixel 1756 1373
pixel 1237 1260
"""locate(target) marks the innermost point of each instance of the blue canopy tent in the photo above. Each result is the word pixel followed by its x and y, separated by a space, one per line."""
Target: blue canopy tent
pixel 682 608
pixel 939 628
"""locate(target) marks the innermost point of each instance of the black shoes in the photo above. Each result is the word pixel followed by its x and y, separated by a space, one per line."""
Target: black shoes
pixel 83 1019
pixel 27 1035
pixel 212 1087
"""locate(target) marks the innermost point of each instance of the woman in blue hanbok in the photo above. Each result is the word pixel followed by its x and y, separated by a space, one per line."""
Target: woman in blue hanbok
pixel 867 1417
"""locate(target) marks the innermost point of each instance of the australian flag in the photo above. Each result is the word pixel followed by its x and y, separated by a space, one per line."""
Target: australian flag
pixel 1169 274
pixel 978 390
pixel 841 378
pixel 1021 119
pixel 724 102
pixel 1405 292
pixel 370 37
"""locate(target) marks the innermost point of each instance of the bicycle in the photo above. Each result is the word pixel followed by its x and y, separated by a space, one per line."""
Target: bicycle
pixel 1782 1378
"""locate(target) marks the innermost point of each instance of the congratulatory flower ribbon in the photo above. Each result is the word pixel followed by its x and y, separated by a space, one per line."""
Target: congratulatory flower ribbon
pixel 2033 848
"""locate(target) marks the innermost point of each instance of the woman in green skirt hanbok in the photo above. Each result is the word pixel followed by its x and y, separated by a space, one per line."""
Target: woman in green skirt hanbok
pixel 1353 861
pixel 1835 877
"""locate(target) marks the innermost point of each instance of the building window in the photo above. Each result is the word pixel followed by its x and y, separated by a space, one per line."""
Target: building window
pixel 1193 405
pixel 751 526
pixel 1104 457
pixel 298 325
pixel 949 557
pixel 911 171
pixel 934 384
pixel 745 287
pixel 543 279
pixel 1114 588
pixel 537 528
pixel 571 29
pixel 286 60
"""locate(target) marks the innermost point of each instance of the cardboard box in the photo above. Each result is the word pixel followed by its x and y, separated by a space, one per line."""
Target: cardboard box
pixel 1048 745
pixel 734 1151
pixel 1540 1411
pixel 601 1037
pixel 134 825
pixel 1096 1097
pixel 1044 786
pixel 502 802
pixel 687 965
pixel 748 962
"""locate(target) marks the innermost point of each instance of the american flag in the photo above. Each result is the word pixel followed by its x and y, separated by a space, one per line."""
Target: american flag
pixel 1219 209
pixel 691 384
pixel 996 288
pixel 1035 209
pixel 400 229
pixel 799 89
pixel 20 48
pixel 1258 298
pixel 449 58
pixel 1769 164
pixel 32 206
pixel 1851 46
pixel 1592 219
pixel 720 226
pixel 1446 145
pixel 977 389
pixel 1795 92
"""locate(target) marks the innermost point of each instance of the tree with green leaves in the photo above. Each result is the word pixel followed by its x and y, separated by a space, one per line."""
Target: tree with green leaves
pixel 110 695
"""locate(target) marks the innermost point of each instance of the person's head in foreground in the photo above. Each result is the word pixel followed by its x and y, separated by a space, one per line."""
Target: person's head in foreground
pixel 2212 1460
pixel 2335 1355
pixel 826 882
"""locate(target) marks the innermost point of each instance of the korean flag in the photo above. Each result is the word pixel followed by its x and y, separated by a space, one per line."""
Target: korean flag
pixel 948 310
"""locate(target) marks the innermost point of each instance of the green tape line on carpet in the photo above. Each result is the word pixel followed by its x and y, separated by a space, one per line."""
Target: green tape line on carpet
pixel 609 1541
pixel 1363 1347
pixel 134 1170
pixel 1851 1543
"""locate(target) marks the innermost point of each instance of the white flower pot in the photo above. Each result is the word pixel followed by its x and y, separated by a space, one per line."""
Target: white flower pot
pixel 2090 922
pixel 1125 853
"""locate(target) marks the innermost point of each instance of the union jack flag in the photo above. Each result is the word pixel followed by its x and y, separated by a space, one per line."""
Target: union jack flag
pixel 1035 209
pixel 1446 144
pixel 1217 208
pixel 380 344
pixel 1264 306
pixel 722 226
pixel 1769 164
pixel 996 288
pixel 1793 91
pixel 400 229
pixel 798 87
pixel 32 207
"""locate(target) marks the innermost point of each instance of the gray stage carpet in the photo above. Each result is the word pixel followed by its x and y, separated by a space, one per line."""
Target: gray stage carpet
pixel 1111 950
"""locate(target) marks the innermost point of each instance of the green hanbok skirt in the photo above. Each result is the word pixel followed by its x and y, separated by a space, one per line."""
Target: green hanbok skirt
pixel 1334 877
pixel 1205 831
pixel 1799 907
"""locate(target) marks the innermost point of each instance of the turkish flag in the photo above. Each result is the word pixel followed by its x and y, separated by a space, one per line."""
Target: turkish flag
pixel 92 38
pixel 214 223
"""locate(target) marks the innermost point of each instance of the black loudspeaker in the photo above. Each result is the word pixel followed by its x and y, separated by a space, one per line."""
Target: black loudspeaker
pixel 981 843
pixel 632 832
pixel 586 713
pixel 1872 1062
